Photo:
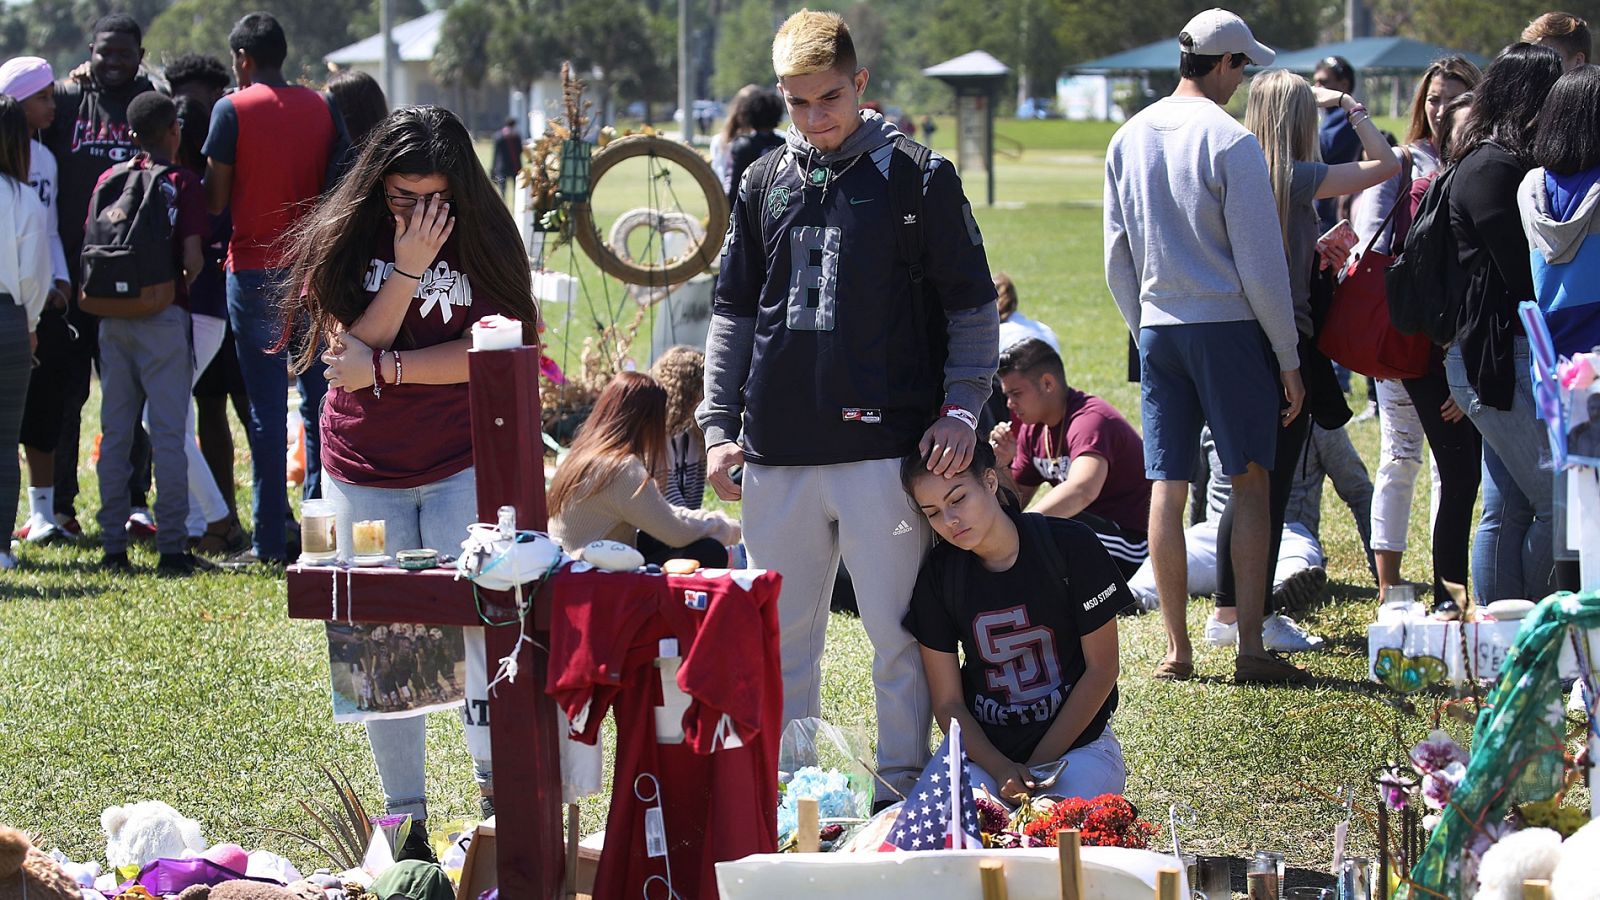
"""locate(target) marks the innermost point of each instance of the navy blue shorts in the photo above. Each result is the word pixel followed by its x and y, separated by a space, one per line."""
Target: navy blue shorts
pixel 1222 373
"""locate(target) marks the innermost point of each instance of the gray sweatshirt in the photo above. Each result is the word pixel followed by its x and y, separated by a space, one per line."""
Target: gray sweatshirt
pixel 1191 227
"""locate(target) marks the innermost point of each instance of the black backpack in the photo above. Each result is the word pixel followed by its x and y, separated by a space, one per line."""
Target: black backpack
pixel 128 270
pixel 1425 284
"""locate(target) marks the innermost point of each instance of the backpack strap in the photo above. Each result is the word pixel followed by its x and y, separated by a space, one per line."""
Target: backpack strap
pixel 907 166
pixel 952 581
pixel 1035 528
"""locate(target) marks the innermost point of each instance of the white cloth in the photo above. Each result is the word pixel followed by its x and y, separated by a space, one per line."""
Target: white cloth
pixel 1019 327
pixel 42 176
pixel 1298 551
pixel 25 234
pixel 722 161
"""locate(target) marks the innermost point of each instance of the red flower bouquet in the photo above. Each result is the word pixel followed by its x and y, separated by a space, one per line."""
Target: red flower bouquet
pixel 1108 820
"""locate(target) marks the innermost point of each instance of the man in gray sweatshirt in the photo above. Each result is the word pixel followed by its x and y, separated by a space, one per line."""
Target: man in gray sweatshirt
pixel 828 362
pixel 1195 261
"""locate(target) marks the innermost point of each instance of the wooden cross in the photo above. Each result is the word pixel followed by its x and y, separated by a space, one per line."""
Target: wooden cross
pixel 509 461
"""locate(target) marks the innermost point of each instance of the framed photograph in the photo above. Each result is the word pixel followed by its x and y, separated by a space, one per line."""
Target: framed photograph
pixel 392 671
pixel 1583 426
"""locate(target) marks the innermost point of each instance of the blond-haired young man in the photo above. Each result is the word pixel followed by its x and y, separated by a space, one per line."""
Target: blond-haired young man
pixel 854 324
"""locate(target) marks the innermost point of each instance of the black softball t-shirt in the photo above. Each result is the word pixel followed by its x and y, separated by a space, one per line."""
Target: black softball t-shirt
pixel 1020 632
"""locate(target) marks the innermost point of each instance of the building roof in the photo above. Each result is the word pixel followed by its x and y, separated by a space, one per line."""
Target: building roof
pixel 976 64
pixel 415 40
pixel 1376 55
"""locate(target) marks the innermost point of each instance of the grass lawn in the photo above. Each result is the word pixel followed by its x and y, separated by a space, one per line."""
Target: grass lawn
pixel 201 693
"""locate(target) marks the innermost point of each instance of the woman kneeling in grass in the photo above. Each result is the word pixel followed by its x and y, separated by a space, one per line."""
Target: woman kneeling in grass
pixel 1033 603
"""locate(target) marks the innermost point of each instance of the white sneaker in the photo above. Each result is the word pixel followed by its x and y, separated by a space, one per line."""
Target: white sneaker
pixel 1281 634
pixel 41 530
pixel 1221 634
pixel 7 561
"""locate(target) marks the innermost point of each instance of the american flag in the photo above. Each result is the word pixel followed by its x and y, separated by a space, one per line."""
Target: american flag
pixel 936 816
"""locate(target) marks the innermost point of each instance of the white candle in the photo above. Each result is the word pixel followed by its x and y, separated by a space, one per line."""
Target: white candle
pixel 496 333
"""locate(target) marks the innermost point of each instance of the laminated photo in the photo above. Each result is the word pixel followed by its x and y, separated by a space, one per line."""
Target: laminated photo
pixel 393 671
pixel 1583 426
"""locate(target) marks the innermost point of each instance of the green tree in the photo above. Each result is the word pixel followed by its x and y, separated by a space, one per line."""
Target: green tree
pixel 460 60
pixel 315 28
pixel 744 48
pixel 1482 28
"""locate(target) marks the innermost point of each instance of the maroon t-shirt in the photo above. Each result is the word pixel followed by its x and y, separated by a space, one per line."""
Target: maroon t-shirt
pixel 186 209
pixel 1091 425
pixel 415 433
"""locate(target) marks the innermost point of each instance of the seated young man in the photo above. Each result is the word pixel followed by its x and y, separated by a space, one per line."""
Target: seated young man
pixel 1080 446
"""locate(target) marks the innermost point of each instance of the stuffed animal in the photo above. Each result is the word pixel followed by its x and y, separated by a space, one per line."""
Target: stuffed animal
pixel 253 890
pixel 141 832
pixel 1577 875
pixel 27 873
pixel 1520 856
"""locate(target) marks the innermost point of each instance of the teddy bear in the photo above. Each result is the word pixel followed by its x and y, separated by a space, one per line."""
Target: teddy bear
pixel 25 872
pixel 138 833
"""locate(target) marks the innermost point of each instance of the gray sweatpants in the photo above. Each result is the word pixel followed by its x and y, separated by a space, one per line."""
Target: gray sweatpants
pixel 798 520
pixel 148 359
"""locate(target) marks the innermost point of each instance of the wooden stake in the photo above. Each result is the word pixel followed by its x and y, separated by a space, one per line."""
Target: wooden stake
pixel 808 831
pixel 1536 889
pixel 1261 886
pixel 993 874
pixel 1069 846
pixel 573 836
pixel 1167 884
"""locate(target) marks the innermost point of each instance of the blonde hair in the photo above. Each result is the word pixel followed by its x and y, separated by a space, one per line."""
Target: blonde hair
pixel 1005 295
pixel 682 371
pixel 1282 114
pixel 809 42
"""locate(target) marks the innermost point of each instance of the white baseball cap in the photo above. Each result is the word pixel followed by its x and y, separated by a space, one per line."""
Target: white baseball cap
pixel 1217 31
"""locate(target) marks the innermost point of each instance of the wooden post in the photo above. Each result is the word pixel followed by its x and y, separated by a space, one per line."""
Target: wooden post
pixel 1069 849
pixel 1536 889
pixel 993 874
pixel 1261 886
pixel 507 457
pixel 807 834
pixel 574 835
pixel 1167 884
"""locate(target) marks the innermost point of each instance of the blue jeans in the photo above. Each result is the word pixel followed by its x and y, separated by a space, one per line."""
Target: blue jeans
pixel 1512 553
pixel 253 313
pixel 435 516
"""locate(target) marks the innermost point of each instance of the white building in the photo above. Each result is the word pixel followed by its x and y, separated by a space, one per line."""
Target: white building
pixel 483 110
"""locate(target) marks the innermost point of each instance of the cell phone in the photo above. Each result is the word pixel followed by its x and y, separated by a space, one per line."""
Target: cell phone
pixel 1342 236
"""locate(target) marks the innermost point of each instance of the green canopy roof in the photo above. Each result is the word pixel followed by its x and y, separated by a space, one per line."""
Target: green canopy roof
pixel 1374 56
pixel 1369 55
pixel 1161 56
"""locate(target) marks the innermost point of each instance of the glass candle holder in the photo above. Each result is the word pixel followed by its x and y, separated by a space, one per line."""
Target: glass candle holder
pixel 1270 863
pixel 368 538
pixel 319 535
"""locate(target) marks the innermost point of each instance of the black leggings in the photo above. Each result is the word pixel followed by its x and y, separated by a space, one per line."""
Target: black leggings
pixel 1458 452
pixel 1291 444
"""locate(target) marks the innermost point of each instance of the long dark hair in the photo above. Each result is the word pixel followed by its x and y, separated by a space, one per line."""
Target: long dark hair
pixel 1568 140
pixel 1509 99
pixel 361 102
pixel 629 420
pixel 330 250
pixel 15 143
pixel 915 466
pixel 1457 68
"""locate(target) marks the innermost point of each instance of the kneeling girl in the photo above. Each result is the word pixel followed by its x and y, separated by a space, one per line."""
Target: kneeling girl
pixel 1032 602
